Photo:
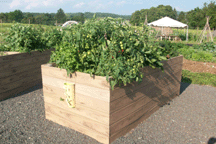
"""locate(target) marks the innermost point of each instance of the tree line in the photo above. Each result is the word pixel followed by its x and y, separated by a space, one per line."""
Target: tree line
pixel 51 18
pixel 193 18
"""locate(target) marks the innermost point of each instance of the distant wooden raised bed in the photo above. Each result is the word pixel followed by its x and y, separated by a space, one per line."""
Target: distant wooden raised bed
pixel 20 71
pixel 104 114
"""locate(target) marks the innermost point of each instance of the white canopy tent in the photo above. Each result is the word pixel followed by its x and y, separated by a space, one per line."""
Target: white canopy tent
pixel 169 22
pixel 69 23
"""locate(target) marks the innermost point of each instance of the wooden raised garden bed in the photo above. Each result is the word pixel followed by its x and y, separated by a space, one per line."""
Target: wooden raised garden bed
pixel 20 71
pixel 101 113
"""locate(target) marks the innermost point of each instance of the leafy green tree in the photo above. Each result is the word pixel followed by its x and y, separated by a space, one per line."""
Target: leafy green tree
pixel 60 16
pixel 79 18
pixel 3 17
pixel 182 17
pixel 17 16
pixel 135 18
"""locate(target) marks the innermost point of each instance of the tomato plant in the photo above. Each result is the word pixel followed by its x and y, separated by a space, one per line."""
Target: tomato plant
pixel 106 47
pixel 28 38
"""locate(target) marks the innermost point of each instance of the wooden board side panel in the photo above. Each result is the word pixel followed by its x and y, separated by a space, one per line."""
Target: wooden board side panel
pixel 99 137
pixel 101 94
pixel 129 105
pixel 19 83
pixel 77 119
pixel 78 77
pixel 122 122
pixel 89 102
pixel 126 129
pixel 95 115
pixel 23 62
pixel 158 78
pixel 19 56
pixel 17 90
pixel 22 68
pixel 20 76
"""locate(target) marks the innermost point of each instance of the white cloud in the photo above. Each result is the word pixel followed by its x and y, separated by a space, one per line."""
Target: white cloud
pixel 28 4
pixel 121 3
pixel 31 5
pixel 15 3
pixel 111 2
pixel 79 5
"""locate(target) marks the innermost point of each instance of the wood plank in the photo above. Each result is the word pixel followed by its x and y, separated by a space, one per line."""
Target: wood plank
pixel 98 116
pixel 18 76
pixel 133 116
pixel 17 90
pixel 123 112
pixel 13 71
pixel 22 62
pixel 77 119
pixel 83 100
pixel 98 136
pixel 15 57
pixel 15 84
pixel 150 89
pixel 159 96
pixel 79 77
pixel 174 60
pixel 168 63
pixel 82 89
pixel 126 129
pixel 147 80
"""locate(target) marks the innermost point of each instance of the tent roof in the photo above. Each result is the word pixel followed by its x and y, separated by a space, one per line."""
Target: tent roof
pixel 69 23
pixel 168 22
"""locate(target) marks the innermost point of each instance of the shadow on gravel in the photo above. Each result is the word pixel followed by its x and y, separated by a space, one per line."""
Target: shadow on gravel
pixel 36 87
pixel 184 86
pixel 212 140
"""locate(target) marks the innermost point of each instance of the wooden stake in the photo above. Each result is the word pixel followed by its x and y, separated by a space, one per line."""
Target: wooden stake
pixel 29 21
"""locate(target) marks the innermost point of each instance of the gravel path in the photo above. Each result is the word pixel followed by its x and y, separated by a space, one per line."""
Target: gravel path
pixel 189 118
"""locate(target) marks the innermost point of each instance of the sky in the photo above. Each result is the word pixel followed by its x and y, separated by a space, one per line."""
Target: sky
pixel 122 7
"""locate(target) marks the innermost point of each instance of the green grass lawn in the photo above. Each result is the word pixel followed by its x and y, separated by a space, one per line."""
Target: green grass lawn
pixel 199 78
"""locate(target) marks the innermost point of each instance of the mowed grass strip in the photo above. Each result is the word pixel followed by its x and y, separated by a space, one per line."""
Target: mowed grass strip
pixel 199 78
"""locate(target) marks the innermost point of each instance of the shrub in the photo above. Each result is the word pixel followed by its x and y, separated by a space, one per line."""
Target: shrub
pixel 187 52
pixel 202 56
pixel 207 46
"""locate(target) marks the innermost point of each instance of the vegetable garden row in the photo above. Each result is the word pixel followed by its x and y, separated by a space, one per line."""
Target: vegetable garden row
pixel 120 75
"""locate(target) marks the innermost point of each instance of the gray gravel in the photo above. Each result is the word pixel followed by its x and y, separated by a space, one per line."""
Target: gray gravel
pixel 189 118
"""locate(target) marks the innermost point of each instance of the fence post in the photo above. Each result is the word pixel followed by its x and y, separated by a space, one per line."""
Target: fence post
pixel 29 21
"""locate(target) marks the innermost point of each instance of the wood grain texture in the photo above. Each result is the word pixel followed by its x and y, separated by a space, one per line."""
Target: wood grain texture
pixel 20 76
pixel 77 119
pixel 78 77
pixel 15 57
pixel 82 89
pixel 80 128
pixel 115 112
pixel 89 102
pixel 19 69
pixel 148 79
pixel 135 113
pixel 126 129
pixel 81 110
pixel 17 90
pixel 24 62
